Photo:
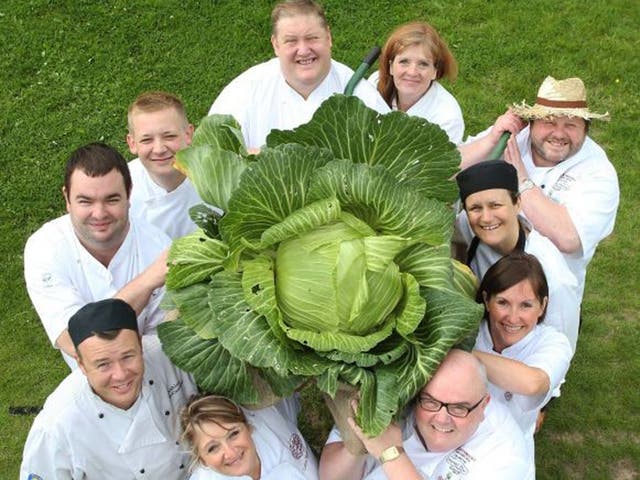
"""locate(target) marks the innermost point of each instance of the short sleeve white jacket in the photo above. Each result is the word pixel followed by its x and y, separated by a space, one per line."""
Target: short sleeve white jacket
pixel 543 348
pixel 563 309
pixel 75 435
pixel 437 106
pixel 496 450
pixel 587 185
pixel 283 452
pixel 260 99
pixel 169 211
pixel 62 276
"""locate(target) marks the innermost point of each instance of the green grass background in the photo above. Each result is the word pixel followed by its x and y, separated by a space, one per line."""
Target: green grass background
pixel 68 70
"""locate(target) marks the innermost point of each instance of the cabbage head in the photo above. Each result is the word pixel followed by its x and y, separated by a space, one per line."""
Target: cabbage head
pixel 331 264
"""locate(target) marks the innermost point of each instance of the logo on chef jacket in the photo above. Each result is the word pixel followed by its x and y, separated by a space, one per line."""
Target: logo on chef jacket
pixel 47 281
pixel 459 460
pixel 508 396
pixel 296 446
pixel 564 182
pixel 33 476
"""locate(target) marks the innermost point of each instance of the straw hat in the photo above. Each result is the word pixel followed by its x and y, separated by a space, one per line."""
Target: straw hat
pixel 559 98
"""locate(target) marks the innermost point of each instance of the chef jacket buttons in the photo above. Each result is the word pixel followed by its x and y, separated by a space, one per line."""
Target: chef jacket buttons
pixel 101 415
pixel 150 382
pixel 166 412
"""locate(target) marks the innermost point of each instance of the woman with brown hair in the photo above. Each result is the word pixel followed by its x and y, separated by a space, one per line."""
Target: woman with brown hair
pixel 412 61
pixel 525 359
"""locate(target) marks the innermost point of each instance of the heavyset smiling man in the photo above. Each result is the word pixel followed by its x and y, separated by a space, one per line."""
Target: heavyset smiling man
pixel 284 92
pixel 568 188
pixel 453 430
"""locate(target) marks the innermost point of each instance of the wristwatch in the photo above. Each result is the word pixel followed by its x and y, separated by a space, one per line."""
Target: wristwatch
pixel 525 185
pixel 391 453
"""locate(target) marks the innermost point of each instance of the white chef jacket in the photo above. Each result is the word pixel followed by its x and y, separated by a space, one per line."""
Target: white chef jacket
pixel 563 308
pixel 62 276
pixel 77 435
pixel 543 348
pixel 437 106
pixel 496 450
pixel 283 452
pixel 260 99
pixel 169 211
pixel 587 185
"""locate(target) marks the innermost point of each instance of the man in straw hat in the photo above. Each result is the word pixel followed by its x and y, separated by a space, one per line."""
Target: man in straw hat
pixel 568 188
pixel 118 415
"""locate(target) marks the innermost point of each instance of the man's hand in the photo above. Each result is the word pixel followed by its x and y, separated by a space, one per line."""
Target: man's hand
pixel 507 122
pixel 512 156
pixel 478 150
pixel 391 437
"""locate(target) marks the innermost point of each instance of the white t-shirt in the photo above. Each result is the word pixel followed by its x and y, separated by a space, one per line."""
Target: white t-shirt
pixel 563 309
pixel 62 276
pixel 169 211
pixel 587 185
pixel 260 99
pixel 78 435
pixel 496 450
pixel 283 452
pixel 542 348
pixel 437 106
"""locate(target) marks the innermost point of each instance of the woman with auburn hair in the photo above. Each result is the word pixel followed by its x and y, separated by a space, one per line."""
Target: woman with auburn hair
pixel 228 441
pixel 525 359
pixel 412 61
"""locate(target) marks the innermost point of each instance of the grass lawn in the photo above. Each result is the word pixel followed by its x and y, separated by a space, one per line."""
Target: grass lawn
pixel 69 69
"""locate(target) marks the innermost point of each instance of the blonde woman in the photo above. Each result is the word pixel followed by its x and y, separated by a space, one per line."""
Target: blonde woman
pixel 228 441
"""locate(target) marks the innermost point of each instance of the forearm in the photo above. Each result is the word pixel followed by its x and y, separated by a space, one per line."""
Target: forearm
pixel 138 291
pixel 551 219
pixel 476 151
pixel 64 343
pixel 402 468
pixel 513 375
pixel 337 463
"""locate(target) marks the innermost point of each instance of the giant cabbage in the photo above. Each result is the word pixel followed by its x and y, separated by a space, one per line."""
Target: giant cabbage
pixel 330 266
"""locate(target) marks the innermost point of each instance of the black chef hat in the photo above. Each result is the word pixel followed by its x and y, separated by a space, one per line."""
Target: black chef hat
pixel 487 175
pixel 102 316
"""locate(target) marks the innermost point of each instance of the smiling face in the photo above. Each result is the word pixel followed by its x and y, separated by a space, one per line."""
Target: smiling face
pixel 458 381
pixel 114 368
pixel 156 137
pixel 227 448
pixel 99 210
pixel 303 45
pixel 555 139
pixel 493 217
pixel 513 313
pixel 413 70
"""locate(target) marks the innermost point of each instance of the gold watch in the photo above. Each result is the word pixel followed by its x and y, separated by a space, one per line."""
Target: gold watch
pixel 391 453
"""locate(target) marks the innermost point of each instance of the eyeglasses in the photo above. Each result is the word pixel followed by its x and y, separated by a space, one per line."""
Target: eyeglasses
pixel 458 410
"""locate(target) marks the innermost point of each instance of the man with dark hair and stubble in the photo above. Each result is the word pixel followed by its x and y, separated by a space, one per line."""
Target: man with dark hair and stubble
pixel 95 251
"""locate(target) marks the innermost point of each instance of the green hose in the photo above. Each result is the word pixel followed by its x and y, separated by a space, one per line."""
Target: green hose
pixel 498 150
pixel 361 70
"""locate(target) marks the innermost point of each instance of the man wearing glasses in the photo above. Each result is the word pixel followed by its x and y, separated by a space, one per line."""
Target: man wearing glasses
pixel 452 431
